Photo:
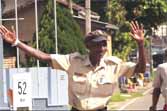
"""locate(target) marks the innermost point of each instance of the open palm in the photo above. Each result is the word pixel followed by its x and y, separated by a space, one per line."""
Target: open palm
pixel 7 35
pixel 137 32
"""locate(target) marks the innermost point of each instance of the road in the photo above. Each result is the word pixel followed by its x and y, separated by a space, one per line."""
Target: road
pixel 142 103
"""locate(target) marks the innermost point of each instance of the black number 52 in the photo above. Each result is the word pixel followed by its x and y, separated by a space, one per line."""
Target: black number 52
pixel 22 88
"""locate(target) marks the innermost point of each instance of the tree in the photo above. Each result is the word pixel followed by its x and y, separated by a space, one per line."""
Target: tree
pixel 70 38
pixel 122 44
pixel 150 13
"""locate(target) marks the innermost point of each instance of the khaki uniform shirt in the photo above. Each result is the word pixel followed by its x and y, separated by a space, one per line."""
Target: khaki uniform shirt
pixel 91 87
pixel 160 80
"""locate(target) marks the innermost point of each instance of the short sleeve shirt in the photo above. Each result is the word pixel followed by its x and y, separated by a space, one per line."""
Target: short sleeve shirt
pixel 160 80
pixel 91 87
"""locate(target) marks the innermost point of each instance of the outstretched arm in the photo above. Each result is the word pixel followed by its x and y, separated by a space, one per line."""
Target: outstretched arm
pixel 10 37
pixel 137 33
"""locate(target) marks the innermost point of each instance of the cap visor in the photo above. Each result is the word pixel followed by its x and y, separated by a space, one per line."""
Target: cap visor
pixel 99 39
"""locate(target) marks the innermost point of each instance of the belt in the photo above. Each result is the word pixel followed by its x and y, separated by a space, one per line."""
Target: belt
pixel 102 109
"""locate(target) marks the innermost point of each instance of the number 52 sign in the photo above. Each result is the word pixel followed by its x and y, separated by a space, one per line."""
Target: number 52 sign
pixel 22 92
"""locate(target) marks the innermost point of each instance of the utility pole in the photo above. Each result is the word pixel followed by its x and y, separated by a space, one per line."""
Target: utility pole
pixel 55 18
pixel 1 64
pixel 70 6
pixel 151 58
pixel 88 16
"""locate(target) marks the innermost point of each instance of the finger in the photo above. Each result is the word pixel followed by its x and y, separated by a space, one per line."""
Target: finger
pixel 133 36
pixel 5 30
pixel 13 29
pixel 2 30
pixel 142 27
pixel 132 28
pixel 133 25
pixel 2 33
pixel 137 25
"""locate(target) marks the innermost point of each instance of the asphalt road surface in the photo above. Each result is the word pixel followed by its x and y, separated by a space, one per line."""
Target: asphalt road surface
pixel 142 103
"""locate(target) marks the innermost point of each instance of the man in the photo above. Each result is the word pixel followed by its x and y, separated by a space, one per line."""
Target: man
pixel 92 77
pixel 160 85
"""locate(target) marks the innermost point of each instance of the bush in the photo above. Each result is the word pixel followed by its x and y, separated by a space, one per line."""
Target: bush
pixel 70 38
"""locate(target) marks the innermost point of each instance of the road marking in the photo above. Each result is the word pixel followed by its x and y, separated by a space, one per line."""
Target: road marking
pixel 147 91
pixel 133 100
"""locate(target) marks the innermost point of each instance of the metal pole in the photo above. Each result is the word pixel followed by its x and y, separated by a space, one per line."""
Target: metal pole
pixel 55 16
pixel 151 58
pixel 88 16
pixel 162 34
pixel 11 19
pixel 37 40
pixel 1 64
pixel 17 37
pixel 36 26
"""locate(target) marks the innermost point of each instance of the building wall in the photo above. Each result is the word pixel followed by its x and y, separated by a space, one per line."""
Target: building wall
pixel 26 27
pixel 49 86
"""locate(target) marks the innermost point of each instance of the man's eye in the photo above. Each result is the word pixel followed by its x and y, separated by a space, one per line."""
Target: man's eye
pixel 104 44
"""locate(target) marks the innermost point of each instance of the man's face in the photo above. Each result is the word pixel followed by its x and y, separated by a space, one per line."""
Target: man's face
pixel 98 48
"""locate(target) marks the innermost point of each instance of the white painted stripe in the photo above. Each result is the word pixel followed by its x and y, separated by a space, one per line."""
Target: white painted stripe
pixel 147 91
pixel 132 101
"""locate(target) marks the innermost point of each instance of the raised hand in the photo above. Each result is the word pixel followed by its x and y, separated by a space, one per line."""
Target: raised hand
pixel 137 32
pixel 10 37
pixel 7 35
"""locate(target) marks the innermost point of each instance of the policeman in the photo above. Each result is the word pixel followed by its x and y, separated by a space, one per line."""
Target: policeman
pixel 160 85
pixel 92 77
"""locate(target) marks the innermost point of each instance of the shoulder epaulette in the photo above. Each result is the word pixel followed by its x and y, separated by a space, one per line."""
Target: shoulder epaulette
pixel 77 55
pixel 113 59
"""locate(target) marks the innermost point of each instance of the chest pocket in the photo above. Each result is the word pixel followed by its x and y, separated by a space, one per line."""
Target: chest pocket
pixel 110 76
pixel 106 80
pixel 106 85
pixel 79 85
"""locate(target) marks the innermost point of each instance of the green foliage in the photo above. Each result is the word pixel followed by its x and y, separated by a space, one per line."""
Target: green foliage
pixel 123 45
pixel 122 42
pixel 150 13
pixel 70 38
pixel 120 97
pixel 115 12
pixel 100 9
pixel 117 97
